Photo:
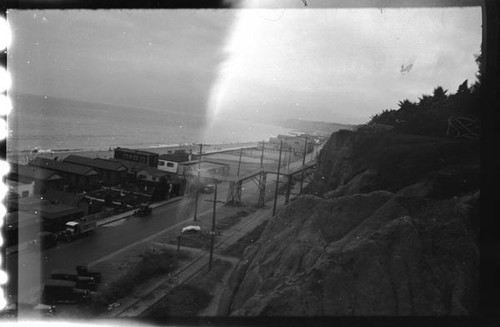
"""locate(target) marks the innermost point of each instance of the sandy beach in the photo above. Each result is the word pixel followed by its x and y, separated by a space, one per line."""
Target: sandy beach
pixel 22 157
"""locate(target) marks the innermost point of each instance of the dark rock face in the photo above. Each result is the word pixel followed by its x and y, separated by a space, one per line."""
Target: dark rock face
pixel 394 234
pixel 393 161
pixel 376 254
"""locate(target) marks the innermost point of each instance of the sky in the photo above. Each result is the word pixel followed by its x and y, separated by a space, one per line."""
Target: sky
pixel 293 61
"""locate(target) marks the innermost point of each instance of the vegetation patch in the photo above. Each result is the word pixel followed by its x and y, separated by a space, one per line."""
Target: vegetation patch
pixel 228 221
pixel 239 247
pixel 190 298
pixel 152 263
pixel 198 240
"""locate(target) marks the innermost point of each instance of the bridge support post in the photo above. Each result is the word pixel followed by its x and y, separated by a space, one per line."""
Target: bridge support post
pixel 237 192
pixel 234 193
pixel 230 193
pixel 288 189
pixel 262 190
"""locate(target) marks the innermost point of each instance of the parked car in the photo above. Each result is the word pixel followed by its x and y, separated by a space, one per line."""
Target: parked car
pixel 84 271
pixel 208 189
pixel 82 282
pixel 12 310
pixel 63 291
pixel 190 229
pixel 143 210
pixel 46 310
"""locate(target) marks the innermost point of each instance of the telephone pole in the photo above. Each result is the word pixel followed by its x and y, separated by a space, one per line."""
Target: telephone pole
pixel 239 162
pixel 212 232
pixel 277 180
pixel 198 184
pixel 303 165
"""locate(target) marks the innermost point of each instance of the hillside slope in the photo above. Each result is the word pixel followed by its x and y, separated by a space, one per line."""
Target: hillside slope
pixel 394 233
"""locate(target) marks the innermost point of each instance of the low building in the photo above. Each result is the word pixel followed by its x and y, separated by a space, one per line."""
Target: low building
pixel 132 168
pixel 21 227
pixel 144 157
pixel 153 175
pixel 76 177
pixel 54 216
pixel 171 162
pixel 41 179
pixel 22 189
pixel 111 172
pixel 29 204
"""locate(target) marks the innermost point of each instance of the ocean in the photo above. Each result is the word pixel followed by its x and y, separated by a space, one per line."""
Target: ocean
pixel 53 124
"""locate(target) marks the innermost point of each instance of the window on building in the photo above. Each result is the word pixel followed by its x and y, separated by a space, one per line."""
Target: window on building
pixel 170 164
pixel 161 163
pixel 136 157
pixel 25 194
pixel 142 159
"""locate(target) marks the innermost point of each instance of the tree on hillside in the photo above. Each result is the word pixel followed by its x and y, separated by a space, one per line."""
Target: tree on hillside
pixel 406 105
pixel 480 71
pixel 439 94
pixel 463 88
pixel 425 101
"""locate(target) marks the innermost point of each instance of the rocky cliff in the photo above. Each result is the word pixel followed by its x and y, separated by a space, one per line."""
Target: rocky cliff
pixel 393 232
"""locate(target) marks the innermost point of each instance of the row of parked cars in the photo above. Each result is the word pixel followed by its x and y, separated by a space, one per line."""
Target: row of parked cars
pixel 66 286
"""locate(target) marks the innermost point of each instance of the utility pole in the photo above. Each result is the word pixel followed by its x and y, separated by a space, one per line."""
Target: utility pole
pixel 198 184
pixel 289 158
pixel 277 179
pixel 239 162
pixel 303 165
pixel 262 157
pixel 262 180
pixel 212 232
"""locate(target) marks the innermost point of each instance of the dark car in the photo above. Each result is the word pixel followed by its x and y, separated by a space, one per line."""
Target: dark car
pixel 82 282
pixel 85 272
pixel 208 189
pixel 63 291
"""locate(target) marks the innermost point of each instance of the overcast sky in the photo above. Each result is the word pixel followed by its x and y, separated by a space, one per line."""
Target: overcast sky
pixel 339 65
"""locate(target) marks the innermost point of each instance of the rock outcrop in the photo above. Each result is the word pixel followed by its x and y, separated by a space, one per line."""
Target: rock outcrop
pixel 381 241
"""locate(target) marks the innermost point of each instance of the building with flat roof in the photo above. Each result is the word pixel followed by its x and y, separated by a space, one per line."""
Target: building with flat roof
pixel 171 162
pixel 54 216
pixel 26 204
pixel 144 157
pixel 21 227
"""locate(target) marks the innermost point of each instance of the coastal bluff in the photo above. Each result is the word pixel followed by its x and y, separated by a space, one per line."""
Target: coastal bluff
pixel 389 228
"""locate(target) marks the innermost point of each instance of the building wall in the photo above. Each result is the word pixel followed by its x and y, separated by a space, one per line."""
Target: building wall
pixel 149 159
pixel 146 177
pixel 41 186
pixel 168 166
pixel 110 177
pixel 23 189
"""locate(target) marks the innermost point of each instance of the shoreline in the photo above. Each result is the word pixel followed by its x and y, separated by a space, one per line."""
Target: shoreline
pixel 21 157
